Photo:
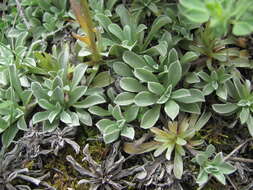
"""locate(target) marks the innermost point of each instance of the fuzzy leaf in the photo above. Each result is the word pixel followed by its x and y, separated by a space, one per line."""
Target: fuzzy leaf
pixel 145 75
pixel 172 109
pixel 131 85
pixel 103 79
pixel 145 98
pixel 128 132
pixel 178 166
pixel 150 117
pixel 227 108
pixel 124 98
pixel 90 101
pixel 133 60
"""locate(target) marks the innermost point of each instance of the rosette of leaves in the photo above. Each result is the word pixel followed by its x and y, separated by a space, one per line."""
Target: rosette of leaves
pixel 157 174
pixel 109 175
pixel 220 14
pixel 213 82
pixel 172 138
pixel 147 83
pixel 43 17
pixel 130 35
pixel 211 165
pixel 141 9
pixel 59 138
pixel 102 6
pixel 65 100
pixel 217 49
pixel 14 176
pixel 15 105
pixel 120 125
pixel 241 102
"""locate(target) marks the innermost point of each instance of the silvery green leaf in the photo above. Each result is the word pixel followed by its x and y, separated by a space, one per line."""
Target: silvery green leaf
pixel 76 94
pixel 250 125
pixel 78 74
pixel 40 116
pixel 196 96
pixel 156 88
pixel 3 125
pixel 116 31
pixel 84 117
pixel 96 110
pixel 180 93
pixel 45 104
pixel 244 115
pixel 189 57
pixel 150 117
pixel 178 166
pixel 133 60
pixel 90 101
pixel 227 108
pixel 145 98
pixel 53 115
pixel 102 79
pixel 103 124
pixel 21 124
pixel 65 117
pixel 111 134
pixel 128 132
pixel 145 75
pixel 116 113
pixel 131 113
pixel 172 109
pixel 190 108
pixel 124 98
pixel 9 135
pixel 202 177
pixel 131 85
pixel 122 69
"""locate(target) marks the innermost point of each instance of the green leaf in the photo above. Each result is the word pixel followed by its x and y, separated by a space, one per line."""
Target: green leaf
pixel 9 135
pixel 194 10
pixel 145 75
pixel 65 117
pixel 116 113
pixel 196 96
pixel 104 123
pixel 145 98
pixel 124 99
pixel 3 125
pixel 84 117
pixel 40 116
pixel 45 104
pixel 250 125
pixel 53 115
pixel 220 177
pixel 21 124
pixel 172 109
pixel 242 28
pixel 131 113
pixel 128 132
pixel 96 110
pixel 180 93
pixel 203 119
pixel 227 108
pixel 190 108
pixel 156 88
pixel 76 94
pixel 38 91
pixel 122 69
pixel 78 74
pixel 134 60
pixel 103 79
pixel 131 85
pixel 244 115
pixel 158 23
pixel 111 134
pixel 189 57
pixel 116 31
pixel 90 101
pixel 174 73
pixel 202 177
pixel 178 165
pixel 150 117
pixel 58 95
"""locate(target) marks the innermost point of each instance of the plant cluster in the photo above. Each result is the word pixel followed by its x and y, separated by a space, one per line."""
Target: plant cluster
pixel 137 77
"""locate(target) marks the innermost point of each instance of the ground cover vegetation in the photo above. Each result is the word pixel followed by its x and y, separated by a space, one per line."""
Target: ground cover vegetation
pixel 131 94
